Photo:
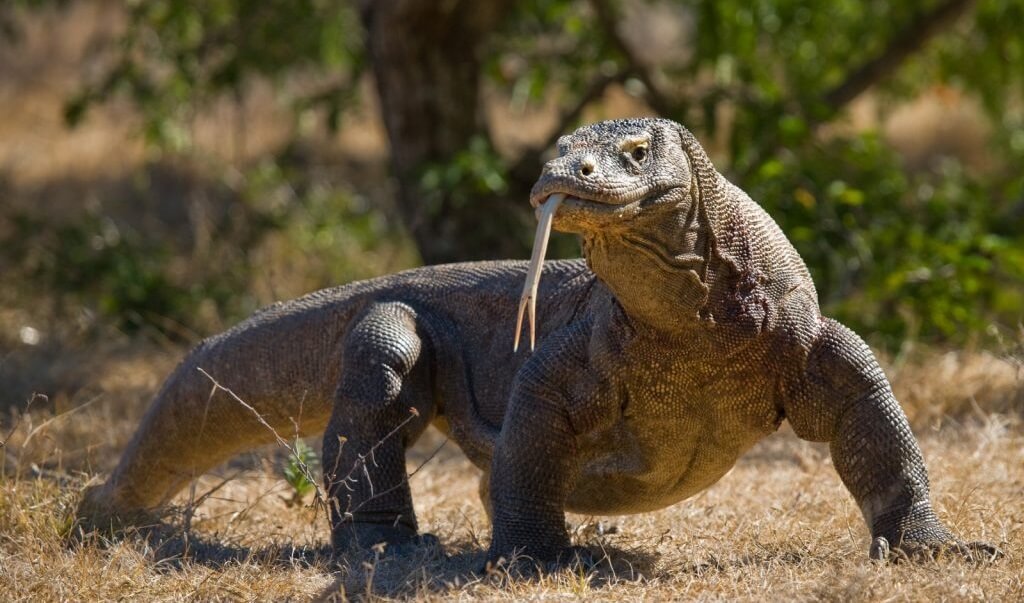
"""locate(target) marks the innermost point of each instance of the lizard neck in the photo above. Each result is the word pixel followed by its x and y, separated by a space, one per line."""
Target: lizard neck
pixel 657 266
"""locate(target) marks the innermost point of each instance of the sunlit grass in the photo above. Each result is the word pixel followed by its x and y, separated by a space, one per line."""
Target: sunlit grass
pixel 779 526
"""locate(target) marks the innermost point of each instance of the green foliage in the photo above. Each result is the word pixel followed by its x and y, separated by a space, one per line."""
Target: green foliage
pixel 178 54
pixel 473 181
pixel 985 59
pixel 895 254
pixel 474 173
pixel 280 215
pixel 934 254
pixel 298 470
pixel 335 235
pixel 931 252
pixel 547 45
pixel 116 271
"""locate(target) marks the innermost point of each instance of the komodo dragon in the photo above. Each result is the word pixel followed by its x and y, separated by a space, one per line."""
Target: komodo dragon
pixel 690 331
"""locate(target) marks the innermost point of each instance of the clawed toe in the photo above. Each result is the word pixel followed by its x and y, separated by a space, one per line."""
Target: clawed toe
pixel 573 558
pixel 576 558
pixel 382 540
pixel 880 550
pixel 420 543
pixel 977 552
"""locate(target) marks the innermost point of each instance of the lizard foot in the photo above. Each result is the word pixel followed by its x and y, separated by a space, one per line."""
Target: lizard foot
pixel 573 558
pixel 421 543
pixel 387 539
pixel 95 514
pixel 912 550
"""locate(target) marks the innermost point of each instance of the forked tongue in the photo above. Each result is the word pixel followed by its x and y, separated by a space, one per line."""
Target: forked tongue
pixel 540 247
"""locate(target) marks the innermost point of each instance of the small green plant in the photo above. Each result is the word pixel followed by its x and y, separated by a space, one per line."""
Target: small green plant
pixel 298 471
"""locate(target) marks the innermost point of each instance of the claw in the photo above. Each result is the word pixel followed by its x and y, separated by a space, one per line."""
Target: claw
pixel 879 549
pixel 979 552
pixel 540 246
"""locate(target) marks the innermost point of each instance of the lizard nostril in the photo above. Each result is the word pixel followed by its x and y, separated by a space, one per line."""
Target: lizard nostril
pixel 586 167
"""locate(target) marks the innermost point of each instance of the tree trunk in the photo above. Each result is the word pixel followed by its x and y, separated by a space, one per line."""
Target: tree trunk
pixel 425 57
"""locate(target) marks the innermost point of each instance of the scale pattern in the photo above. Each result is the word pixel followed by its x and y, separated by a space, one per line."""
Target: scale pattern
pixel 690 331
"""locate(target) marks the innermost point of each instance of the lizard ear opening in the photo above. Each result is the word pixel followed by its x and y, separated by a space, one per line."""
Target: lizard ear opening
pixel 686 142
pixel 706 185
pixel 714 206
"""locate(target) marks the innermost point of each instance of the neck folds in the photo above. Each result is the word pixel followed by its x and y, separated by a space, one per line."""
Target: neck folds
pixel 656 266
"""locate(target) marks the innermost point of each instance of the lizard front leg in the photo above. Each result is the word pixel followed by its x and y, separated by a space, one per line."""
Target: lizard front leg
pixel 844 398
pixel 535 464
pixel 384 375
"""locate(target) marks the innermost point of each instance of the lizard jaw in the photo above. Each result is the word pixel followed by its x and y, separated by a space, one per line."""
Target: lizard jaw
pixel 547 206
pixel 538 199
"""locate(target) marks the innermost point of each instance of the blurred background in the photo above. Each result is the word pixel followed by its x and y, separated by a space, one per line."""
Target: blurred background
pixel 168 166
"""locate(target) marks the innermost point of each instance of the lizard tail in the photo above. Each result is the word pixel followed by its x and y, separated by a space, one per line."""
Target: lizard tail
pixel 193 425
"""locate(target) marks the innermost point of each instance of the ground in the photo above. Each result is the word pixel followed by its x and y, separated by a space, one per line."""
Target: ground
pixel 779 526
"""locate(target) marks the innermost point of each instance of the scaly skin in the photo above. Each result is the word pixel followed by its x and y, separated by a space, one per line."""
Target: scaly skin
pixel 691 332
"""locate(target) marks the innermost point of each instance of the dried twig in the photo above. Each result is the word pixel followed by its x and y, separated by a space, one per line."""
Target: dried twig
pixel 429 458
pixel 319 499
pixel 17 422
pixel 360 465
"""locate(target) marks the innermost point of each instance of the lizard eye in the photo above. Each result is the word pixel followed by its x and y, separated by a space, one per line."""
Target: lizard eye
pixel 639 154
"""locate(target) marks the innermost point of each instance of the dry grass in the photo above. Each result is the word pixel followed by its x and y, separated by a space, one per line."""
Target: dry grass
pixel 779 526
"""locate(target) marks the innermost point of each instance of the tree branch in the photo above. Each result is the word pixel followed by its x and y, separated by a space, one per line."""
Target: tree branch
pixel 528 165
pixel 909 41
pixel 608 18
pixel 913 37
pixel 592 93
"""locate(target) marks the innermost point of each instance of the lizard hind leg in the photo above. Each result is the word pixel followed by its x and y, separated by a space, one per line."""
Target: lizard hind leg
pixel 383 403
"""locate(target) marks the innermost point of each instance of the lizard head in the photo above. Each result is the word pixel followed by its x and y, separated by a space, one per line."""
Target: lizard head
pixel 607 176
pixel 612 171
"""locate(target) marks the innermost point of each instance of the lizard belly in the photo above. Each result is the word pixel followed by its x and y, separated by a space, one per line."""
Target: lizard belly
pixel 662 454
pixel 629 477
